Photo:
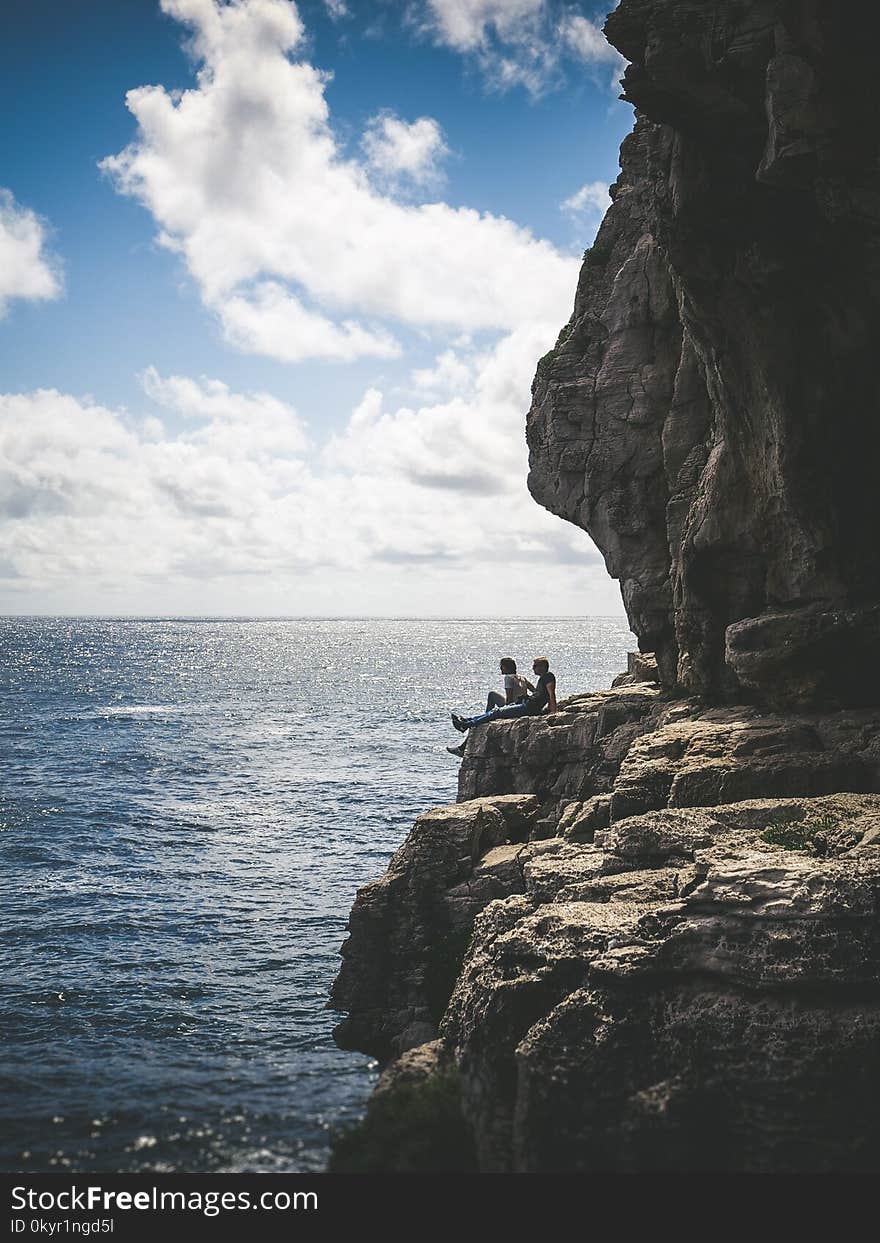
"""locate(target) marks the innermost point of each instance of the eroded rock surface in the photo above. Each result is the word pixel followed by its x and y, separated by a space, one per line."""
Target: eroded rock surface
pixel 705 412
pixel 572 754
pixel 626 767
pixel 682 995
pixel 633 749
pixel 410 928
pixel 696 989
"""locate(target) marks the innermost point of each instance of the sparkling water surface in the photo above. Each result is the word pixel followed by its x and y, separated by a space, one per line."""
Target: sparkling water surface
pixel 186 810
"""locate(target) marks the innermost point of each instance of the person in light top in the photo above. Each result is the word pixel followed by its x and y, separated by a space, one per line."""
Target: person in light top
pixel 516 689
pixel 542 699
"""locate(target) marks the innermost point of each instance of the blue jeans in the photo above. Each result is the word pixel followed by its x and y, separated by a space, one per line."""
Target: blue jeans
pixel 497 714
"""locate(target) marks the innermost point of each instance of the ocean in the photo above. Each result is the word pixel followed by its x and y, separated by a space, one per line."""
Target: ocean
pixel 187 807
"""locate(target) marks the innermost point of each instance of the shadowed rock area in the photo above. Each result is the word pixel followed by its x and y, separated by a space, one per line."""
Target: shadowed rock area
pixel 706 410
pixel 647 937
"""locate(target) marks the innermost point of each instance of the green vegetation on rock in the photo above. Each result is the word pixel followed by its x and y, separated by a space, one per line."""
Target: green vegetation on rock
pixel 409 1128
pixel 808 836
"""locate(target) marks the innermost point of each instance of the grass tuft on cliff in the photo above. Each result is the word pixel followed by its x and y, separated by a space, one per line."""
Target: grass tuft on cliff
pixel 807 836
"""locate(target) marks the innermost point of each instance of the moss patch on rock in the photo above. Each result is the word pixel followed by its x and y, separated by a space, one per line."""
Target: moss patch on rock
pixel 413 1127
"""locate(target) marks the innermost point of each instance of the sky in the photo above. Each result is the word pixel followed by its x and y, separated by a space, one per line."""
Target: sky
pixel 274 279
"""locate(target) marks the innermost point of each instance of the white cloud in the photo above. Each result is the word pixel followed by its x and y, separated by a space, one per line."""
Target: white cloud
pixel 104 500
pixel 177 505
pixel 442 481
pixel 510 40
pixel 472 442
pixel 586 42
pixel 451 373
pixel 585 38
pixel 337 9
pixel 89 492
pixel 520 42
pixel 467 25
pixel 291 246
pixel 395 148
pixel 257 423
pixel 591 198
pixel 267 319
pixel 26 269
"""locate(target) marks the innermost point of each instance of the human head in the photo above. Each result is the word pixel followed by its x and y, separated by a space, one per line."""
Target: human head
pixel 541 665
pixel 508 664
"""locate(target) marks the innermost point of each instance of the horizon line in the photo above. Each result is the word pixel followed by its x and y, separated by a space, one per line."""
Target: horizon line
pixel 308 617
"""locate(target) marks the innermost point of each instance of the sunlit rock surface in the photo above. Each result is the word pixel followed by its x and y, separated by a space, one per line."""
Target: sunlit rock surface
pixel 677 968
pixel 682 995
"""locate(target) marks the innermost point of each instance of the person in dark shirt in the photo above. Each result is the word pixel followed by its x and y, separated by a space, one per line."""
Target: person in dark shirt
pixel 543 698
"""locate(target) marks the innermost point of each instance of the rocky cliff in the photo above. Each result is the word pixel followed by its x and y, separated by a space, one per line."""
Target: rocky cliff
pixel 647 936
pixel 706 412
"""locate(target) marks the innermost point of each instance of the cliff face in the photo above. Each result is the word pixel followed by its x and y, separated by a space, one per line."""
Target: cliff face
pixel 646 937
pixel 663 952
pixel 707 412
pixel 694 989
pixel 682 995
pixel 410 929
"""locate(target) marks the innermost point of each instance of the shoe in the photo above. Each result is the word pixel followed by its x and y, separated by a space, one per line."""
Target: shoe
pixel 459 750
pixel 459 724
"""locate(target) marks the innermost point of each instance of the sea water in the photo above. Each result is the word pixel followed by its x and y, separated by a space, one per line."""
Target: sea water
pixel 186 810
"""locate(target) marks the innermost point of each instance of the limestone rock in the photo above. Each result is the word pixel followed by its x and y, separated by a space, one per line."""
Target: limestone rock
pixel 410 928
pixel 808 656
pixel 639 751
pixel 413 1121
pixel 626 976
pixel 716 1008
pixel 580 820
pixel 571 755
pixel 640 667
pixel 705 413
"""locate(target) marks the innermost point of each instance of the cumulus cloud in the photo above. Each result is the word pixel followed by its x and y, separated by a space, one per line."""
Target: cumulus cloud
pixel 27 271
pixel 585 38
pixel 451 373
pixel 520 42
pixel 291 245
pixel 510 40
pixel 300 254
pixel 270 320
pixel 94 496
pixel 592 198
pixel 95 493
pixel 398 149
pixel 585 41
pixel 467 24
pixel 475 434
pixel 252 424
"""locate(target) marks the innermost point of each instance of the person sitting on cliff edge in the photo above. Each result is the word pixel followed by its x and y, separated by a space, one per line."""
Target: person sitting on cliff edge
pixel 543 698
pixel 516 689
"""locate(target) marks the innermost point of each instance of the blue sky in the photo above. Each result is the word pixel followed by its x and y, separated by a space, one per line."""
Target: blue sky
pixel 269 327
